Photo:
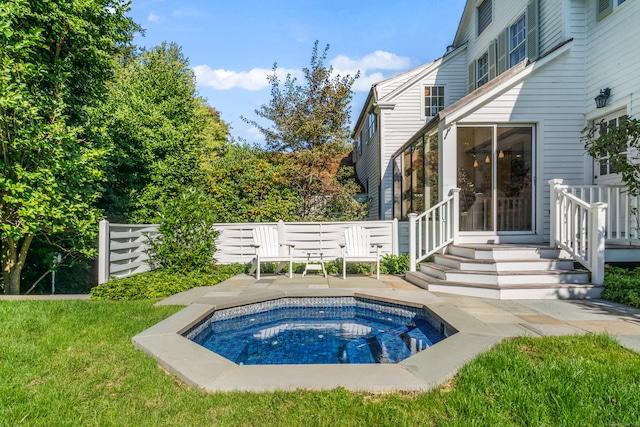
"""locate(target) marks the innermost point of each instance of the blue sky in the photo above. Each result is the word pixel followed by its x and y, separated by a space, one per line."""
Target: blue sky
pixel 232 45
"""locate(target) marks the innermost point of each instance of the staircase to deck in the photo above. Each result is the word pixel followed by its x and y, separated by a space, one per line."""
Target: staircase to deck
pixel 505 271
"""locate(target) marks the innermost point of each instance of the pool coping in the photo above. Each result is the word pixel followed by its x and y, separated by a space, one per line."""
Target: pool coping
pixel 202 368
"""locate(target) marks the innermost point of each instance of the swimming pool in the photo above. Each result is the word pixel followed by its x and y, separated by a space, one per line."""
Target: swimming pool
pixel 318 330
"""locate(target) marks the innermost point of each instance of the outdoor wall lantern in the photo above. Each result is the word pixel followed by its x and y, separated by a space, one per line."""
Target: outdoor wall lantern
pixel 601 100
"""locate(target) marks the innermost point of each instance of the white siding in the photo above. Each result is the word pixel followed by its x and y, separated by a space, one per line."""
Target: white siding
pixel 401 123
pixel 550 98
pixel 612 57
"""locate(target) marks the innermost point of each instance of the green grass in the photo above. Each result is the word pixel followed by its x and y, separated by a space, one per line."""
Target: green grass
pixel 71 363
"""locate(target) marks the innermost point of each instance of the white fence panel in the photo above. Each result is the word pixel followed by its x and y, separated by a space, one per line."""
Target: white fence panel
pixel 124 247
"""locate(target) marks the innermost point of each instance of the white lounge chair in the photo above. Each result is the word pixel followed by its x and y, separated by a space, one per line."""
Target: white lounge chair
pixel 358 248
pixel 268 249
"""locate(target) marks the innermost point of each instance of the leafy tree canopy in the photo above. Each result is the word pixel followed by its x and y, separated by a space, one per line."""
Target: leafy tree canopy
pixel 160 130
pixel 55 60
pixel 248 184
pixel 310 121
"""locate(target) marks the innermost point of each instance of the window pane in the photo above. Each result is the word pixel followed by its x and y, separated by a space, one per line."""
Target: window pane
pixel 513 178
pixel 397 187
pixel 475 177
pixel 482 70
pixel 430 170
pixel 417 180
pixel 517 37
pixel 406 184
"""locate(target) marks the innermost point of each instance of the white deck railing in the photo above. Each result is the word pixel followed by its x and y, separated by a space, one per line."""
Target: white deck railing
pixel 578 227
pixel 433 229
pixel 622 220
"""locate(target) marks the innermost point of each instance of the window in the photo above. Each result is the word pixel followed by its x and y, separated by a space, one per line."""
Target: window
pixel 371 126
pixel 606 168
pixel 482 70
pixel 433 100
pixel 485 15
pixel 517 38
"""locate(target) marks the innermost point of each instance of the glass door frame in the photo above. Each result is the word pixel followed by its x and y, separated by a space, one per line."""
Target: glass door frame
pixel 494 156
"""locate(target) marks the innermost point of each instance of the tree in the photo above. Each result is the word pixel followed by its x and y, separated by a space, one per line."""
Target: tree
pixel 311 122
pixel 160 130
pixel 55 60
pixel 248 184
pixel 619 144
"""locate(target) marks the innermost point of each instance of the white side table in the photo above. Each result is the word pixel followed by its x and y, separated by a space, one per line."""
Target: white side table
pixel 315 262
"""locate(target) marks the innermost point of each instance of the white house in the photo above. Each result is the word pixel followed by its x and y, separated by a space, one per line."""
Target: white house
pixel 500 115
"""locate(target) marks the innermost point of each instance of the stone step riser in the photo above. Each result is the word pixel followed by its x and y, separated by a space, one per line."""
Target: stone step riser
pixel 525 291
pixel 491 278
pixel 505 266
pixel 511 254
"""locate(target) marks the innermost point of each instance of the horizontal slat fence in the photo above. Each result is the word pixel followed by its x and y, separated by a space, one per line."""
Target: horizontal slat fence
pixel 124 247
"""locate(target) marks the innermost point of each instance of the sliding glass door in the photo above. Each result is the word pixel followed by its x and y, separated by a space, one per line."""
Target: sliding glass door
pixel 494 171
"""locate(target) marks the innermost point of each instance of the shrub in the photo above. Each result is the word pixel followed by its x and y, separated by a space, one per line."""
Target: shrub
pixel 394 264
pixel 162 283
pixel 622 285
pixel 187 237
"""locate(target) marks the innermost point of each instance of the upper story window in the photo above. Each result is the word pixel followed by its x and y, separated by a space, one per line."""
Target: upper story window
pixel 371 126
pixel 482 70
pixel 358 142
pixel 517 41
pixel 433 100
pixel 485 15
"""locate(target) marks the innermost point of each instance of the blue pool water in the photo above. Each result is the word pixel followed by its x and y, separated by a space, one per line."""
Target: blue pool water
pixel 317 330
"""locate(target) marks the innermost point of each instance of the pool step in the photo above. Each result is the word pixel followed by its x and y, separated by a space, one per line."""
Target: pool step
pixel 393 347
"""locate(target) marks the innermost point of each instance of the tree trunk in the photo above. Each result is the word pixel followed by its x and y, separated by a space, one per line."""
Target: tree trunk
pixel 14 256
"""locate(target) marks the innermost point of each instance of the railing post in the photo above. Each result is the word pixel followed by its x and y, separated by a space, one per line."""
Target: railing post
pixel 455 215
pixel 103 252
pixel 412 241
pixel 395 238
pixel 596 242
pixel 553 212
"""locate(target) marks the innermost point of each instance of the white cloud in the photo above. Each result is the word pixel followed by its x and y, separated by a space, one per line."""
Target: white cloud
pixel 371 69
pixel 254 79
pixel 378 60
pixel 154 18
pixel 254 135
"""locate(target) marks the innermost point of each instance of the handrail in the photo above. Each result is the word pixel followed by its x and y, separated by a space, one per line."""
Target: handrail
pixel 433 229
pixel 622 209
pixel 578 227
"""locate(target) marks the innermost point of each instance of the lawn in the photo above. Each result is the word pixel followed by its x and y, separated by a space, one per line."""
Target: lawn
pixel 71 363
